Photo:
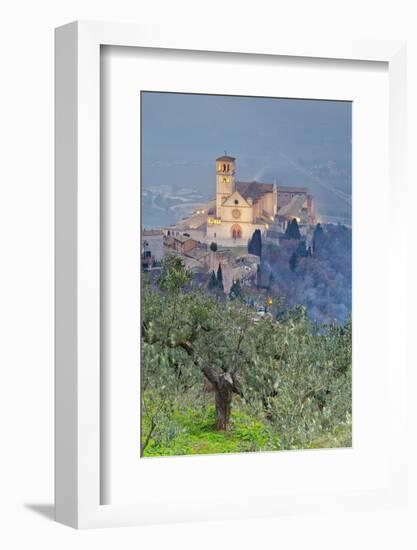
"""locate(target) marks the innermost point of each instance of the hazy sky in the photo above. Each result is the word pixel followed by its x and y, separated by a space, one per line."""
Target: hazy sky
pixel 293 142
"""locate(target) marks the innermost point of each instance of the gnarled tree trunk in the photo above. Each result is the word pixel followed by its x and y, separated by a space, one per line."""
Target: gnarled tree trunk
pixel 224 384
pixel 223 395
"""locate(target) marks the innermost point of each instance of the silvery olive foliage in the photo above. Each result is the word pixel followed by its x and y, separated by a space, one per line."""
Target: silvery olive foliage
pixel 293 377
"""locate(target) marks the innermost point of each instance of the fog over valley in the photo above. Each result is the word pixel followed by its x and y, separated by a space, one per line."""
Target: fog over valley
pixel 290 142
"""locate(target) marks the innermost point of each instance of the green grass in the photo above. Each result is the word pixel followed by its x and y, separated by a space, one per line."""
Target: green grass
pixel 192 432
pixel 340 437
pixel 195 433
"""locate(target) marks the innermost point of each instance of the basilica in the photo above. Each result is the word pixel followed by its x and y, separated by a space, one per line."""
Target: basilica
pixel 241 207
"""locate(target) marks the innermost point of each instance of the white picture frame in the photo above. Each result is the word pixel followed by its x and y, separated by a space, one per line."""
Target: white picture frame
pixel 77 242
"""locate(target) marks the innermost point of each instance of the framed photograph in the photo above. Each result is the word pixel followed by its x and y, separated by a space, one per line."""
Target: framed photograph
pixel 230 339
pixel 245 300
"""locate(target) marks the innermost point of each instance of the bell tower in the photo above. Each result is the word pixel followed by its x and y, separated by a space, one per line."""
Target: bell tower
pixel 225 180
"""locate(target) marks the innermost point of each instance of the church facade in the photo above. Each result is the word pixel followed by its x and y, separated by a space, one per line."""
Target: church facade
pixel 241 207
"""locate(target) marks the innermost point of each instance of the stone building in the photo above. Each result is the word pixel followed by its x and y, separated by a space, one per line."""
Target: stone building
pixel 241 206
pixel 180 243
pixel 152 244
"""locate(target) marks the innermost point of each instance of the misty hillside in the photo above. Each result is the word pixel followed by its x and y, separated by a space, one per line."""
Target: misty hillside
pixel 318 277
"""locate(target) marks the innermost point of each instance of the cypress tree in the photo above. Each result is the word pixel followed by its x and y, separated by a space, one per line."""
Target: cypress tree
pixel 259 243
pixel 301 250
pixel 250 245
pixel 220 278
pixel 317 237
pixel 293 231
pixel 235 290
pixel 255 243
pixel 212 281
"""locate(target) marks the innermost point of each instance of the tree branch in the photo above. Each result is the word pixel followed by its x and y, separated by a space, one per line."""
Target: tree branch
pixel 211 375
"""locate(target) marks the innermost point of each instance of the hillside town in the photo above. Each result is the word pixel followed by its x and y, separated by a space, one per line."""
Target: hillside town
pixel 217 233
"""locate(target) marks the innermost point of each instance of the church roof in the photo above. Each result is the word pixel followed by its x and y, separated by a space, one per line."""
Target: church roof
pixel 253 189
pixel 292 209
pixel 290 189
pixel 234 198
pixel 182 239
pixel 264 218
pixel 226 157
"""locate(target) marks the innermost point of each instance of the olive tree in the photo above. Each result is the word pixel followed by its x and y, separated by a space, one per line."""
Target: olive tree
pixel 193 335
pixel 294 373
